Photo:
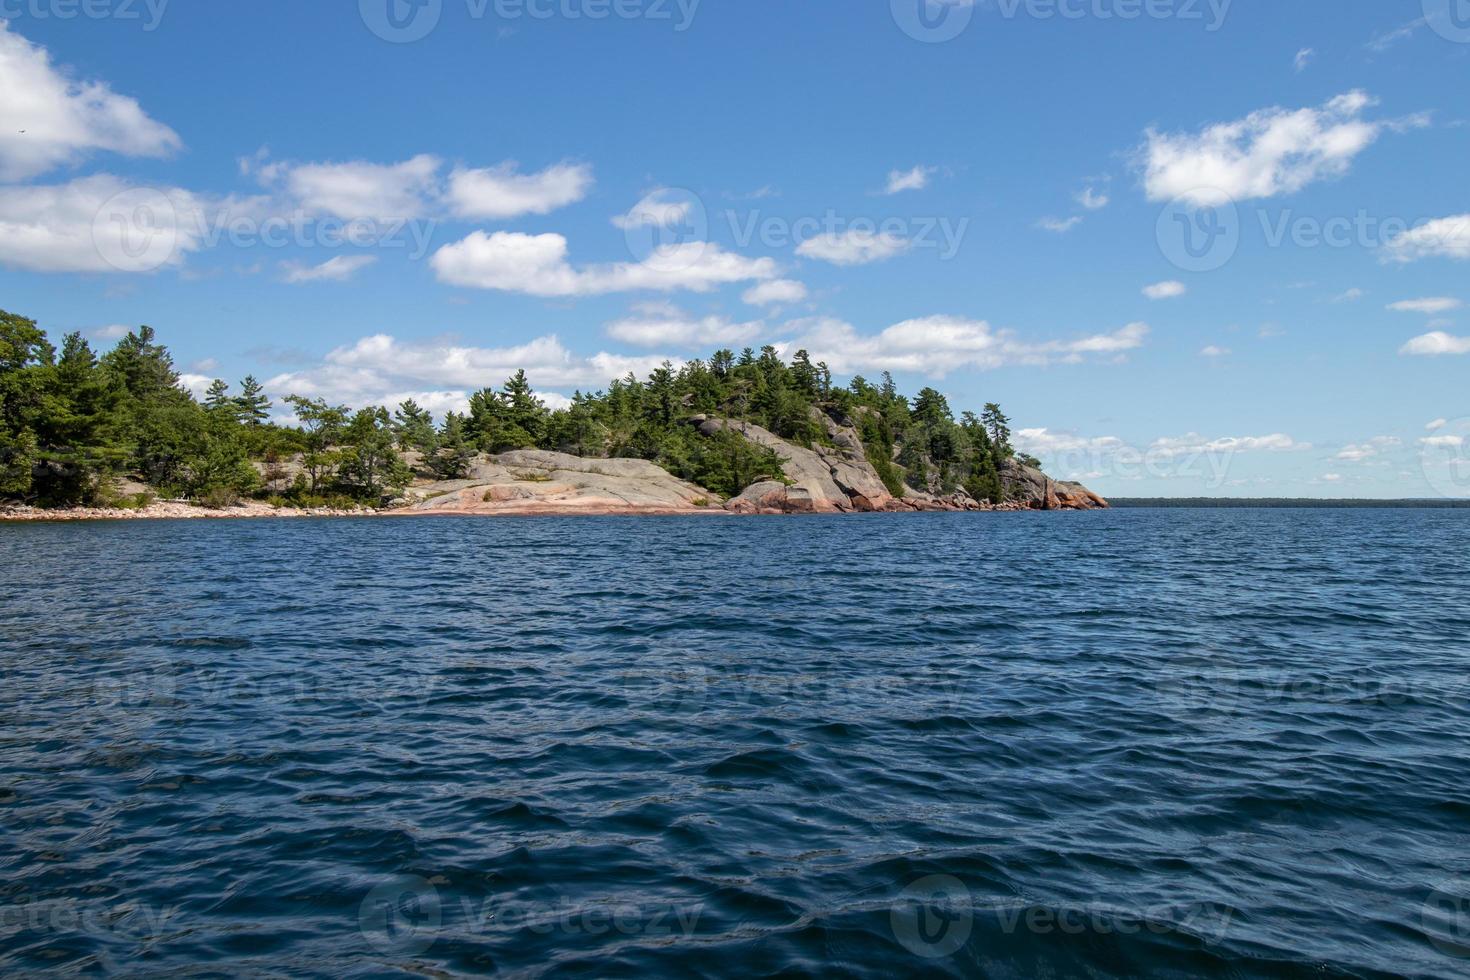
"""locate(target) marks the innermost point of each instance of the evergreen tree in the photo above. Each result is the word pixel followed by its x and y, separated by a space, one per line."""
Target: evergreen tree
pixel 251 405
pixel 999 428
pixel 414 427
pixel 217 398
pixel 454 455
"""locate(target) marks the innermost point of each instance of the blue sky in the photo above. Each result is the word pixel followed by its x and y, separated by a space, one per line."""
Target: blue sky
pixel 991 199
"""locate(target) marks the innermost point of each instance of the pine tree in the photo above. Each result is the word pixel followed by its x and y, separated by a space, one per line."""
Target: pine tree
pixel 999 427
pixel 452 461
pixel 414 427
pixel 217 398
pixel 252 407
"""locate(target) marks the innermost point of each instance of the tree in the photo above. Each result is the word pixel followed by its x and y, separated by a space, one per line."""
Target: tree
pixel 452 460
pixel 217 398
pixel 370 467
pixel 414 427
pixel 323 424
pixel 999 428
pixel 251 405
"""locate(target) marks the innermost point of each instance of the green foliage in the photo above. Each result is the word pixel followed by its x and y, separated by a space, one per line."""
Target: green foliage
pixel 71 423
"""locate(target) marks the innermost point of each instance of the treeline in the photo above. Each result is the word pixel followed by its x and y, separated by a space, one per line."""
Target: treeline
pixel 71 421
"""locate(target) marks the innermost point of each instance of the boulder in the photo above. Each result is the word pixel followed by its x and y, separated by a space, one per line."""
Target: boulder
pixel 1037 491
pixel 804 468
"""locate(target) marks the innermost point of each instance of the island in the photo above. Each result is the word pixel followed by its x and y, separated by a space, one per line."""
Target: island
pixel 84 435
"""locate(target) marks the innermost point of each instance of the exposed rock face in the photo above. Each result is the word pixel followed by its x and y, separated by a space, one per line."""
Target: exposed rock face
pixel 839 478
pixel 1040 492
pixel 529 482
pixel 805 468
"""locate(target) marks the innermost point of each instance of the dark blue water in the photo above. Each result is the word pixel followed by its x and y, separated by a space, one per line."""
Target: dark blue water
pixel 1171 743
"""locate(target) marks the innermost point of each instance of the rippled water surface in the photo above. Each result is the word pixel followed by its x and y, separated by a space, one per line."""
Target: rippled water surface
pixel 1139 742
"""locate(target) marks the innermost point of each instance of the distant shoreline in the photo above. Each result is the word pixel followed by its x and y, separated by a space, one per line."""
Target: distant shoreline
pixel 1297 503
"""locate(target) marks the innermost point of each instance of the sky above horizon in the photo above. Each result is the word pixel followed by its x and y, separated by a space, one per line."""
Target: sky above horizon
pixel 1193 247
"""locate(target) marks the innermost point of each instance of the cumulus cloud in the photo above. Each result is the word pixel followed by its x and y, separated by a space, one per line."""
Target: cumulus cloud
pixel 855 247
pixel 99 224
pixel 661 208
pixel 1269 152
pixel 1059 225
pixel 937 345
pixel 359 190
pixel 1443 442
pixel 908 180
pixel 1165 290
pixel 1435 343
pixel 501 192
pixel 1429 305
pixel 1357 452
pixel 670 327
pixel 1194 443
pixel 1092 200
pixel 1213 351
pixel 440 374
pixel 48 119
pixel 1436 425
pixel 537 265
pixel 337 269
pixel 775 292
pixel 1441 238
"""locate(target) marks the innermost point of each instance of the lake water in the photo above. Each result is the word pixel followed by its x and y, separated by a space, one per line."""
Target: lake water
pixel 1137 742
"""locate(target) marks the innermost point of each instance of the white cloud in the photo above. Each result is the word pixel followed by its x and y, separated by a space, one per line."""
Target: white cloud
pixel 908 180
pixel 1092 200
pixel 92 224
pixel 1303 58
pixel 48 119
pixel 1058 225
pixel 937 345
pixel 775 292
pixel 1270 152
pixel 1435 343
pixel 1194 443
pixel 359 190
pixel 501 192
pixel 661 208
pixel 1382 42
pixel 1429 305
pixel 196 384
pixel 1350 296
pixel 537 265
pixel 1451 442
pixel 440 374
pixel 1213 351
pixel 115 331
pixel 1331 477
pixel 1436 425
pixel 670 327
pixel 1044 442
pixel 336 269
pixel 1443 237
pixel 856 247
pixel 1357 452
pixel 1165 290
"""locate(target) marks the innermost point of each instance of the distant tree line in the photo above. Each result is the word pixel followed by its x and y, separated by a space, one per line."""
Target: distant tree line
pixel 71 421
pixel 1242 503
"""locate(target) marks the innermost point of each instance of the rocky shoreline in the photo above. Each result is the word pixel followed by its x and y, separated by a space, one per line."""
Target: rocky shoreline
pixel 832 477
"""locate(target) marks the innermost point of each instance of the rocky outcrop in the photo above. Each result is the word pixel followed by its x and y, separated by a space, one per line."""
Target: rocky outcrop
pixel 805 469
pixel 1038 491
pixel 535 482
